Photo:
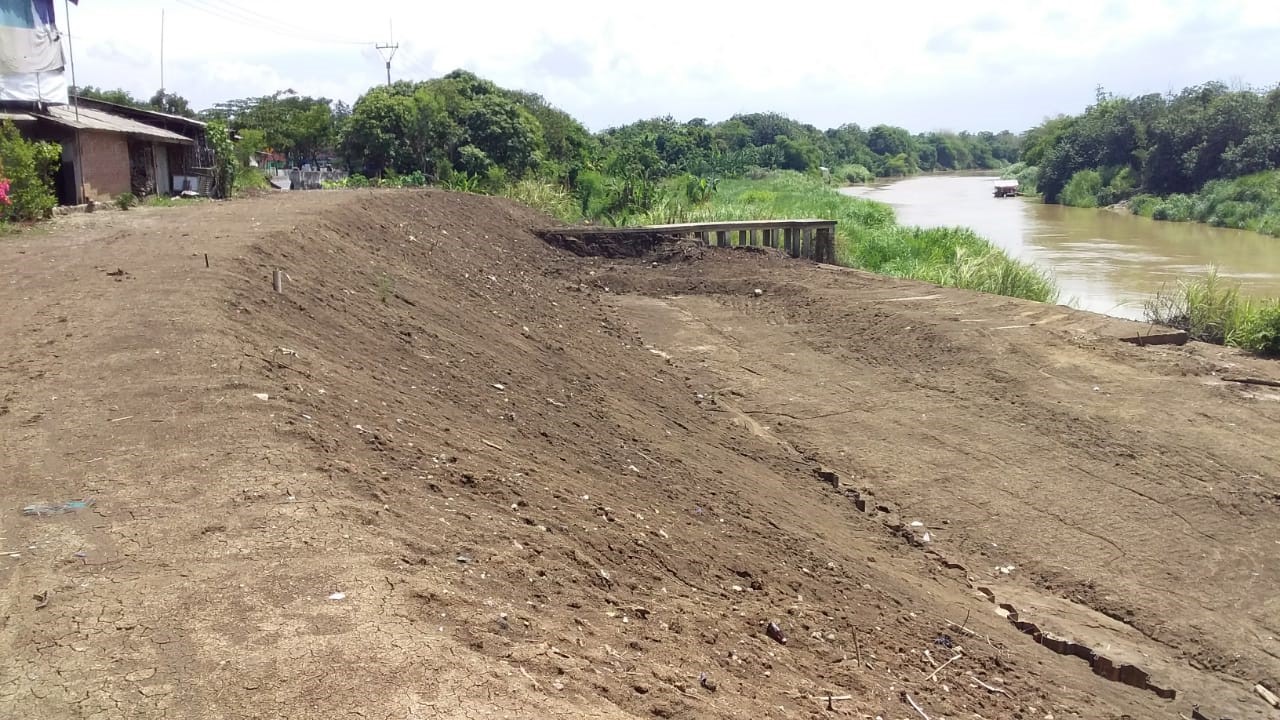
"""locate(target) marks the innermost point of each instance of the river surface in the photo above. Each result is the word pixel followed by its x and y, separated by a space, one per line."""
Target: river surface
pixel 1105 261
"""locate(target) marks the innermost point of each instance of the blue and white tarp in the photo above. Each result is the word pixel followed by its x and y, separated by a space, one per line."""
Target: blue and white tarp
pixel 31 60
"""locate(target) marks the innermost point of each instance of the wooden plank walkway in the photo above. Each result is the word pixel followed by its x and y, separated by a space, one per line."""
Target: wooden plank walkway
pixel 808 237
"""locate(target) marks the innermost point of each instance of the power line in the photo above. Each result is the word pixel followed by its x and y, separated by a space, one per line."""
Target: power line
pixel 391 48
pixel 238 16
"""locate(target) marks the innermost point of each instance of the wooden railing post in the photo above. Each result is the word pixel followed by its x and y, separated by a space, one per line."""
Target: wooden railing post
pixel 722 238
pixel 825 245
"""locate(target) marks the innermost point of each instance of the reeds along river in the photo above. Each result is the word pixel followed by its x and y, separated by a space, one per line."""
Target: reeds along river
pixel 1104 261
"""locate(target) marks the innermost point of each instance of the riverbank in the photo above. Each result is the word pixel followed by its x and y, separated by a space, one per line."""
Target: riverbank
pixel 1249 203
pixel 869 236
pixel 535 484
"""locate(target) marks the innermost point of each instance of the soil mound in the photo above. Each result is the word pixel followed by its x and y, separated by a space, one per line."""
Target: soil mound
pixel 454 471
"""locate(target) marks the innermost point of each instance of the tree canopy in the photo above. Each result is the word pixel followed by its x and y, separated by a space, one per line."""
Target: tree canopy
pixel 300 127
pixel 161 101
pixel 1161 144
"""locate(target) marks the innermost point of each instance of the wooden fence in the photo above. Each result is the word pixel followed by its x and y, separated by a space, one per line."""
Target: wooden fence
pixel 812 239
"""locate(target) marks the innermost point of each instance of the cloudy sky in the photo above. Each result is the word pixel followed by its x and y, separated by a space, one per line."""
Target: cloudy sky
pixel 922 64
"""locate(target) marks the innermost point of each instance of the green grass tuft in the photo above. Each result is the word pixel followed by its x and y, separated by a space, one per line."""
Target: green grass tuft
pixel 1212 310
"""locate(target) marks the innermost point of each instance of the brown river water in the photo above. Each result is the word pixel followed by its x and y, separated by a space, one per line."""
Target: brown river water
pixel 1104 261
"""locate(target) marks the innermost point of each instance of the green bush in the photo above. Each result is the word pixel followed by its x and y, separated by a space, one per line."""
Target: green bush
pixel 1144 205
pixel 251 178
pixel 1082 189
pixel 1176 208
pixel 224 159
pixel 1260 330
pixel 699 189
pixel 124 201
pixel 1212 310
pixel 853 173
pixel 357 181
pixel 29 167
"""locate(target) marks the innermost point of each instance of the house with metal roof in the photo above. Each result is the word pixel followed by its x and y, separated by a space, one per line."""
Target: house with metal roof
pixel 109 150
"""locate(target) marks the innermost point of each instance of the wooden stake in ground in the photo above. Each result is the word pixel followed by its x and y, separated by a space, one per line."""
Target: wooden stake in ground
pixel 1267 695
pixel 916 707
pixel 857 648
pixel 277 280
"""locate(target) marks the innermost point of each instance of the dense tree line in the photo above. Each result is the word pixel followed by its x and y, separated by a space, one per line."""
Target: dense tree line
pixel 301 128
pixel 1160 144
pixel 468 132
pixel 161 101
pixel 461 123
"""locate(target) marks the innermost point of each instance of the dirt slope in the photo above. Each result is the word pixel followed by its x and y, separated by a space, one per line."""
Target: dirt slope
pixel 549 486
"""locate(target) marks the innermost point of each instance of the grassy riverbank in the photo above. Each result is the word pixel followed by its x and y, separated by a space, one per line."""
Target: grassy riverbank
pixel 868 236
pixel 1212 310
pixel 1251 202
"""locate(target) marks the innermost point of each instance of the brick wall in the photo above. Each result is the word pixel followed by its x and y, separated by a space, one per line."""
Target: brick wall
pixel 106 164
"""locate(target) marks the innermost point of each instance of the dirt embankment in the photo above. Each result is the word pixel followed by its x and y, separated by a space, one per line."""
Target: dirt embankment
pixel 454 472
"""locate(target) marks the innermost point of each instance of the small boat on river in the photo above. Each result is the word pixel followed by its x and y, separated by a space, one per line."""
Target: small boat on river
pixel 1006 188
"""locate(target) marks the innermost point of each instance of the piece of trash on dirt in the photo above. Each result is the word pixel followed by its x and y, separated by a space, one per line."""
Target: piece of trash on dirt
pixel 42 509
pixel 338 596
pixel 926 537
pixel 757 292
pixel 775 632
pixel 1006 569
pixel 499 386
pixel 916 523
pixel 42 599
pixel 262 396
pixel 944 641
pixel 707 682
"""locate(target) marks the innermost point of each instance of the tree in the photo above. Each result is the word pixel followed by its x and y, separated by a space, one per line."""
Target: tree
pixel 298 126
pixel 506 132
pixel 797 154
pixel 889 141
pixel 376 136
pixel 117 96
pixel 170 103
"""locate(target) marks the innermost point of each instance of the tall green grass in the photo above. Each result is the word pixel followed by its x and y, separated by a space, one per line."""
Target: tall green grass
pixel 546 197
pixel 1251 202
pixel 868 236
pixel 1212 310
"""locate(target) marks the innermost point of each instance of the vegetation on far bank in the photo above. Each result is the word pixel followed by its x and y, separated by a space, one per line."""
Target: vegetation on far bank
pixel 1209 154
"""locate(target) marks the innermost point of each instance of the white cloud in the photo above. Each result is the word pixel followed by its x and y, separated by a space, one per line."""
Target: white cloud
pixel 922 64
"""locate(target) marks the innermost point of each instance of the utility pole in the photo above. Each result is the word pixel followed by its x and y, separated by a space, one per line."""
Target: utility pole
pixel 388 50
pixel 162 55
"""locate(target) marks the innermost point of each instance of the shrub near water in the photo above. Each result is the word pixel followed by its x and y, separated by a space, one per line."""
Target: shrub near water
pixel 1212 310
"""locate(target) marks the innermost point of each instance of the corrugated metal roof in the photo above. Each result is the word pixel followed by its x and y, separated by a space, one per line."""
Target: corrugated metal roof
pixel 92 119
pixel 109 107
pixel 15 116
